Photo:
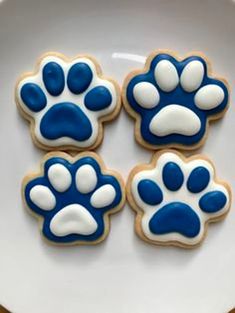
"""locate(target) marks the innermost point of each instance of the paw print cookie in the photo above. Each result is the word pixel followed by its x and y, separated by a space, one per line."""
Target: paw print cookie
pixel 172 101
pixel 73 198
pixel 175 198
pixel 67 101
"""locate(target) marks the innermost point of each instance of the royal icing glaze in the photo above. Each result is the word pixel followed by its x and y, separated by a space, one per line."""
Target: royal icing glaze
pixel 146 95
pixel 192 76
pixel 59 177
pixel 42 197
pixel 86 178
pixel 166 75
pixel 176 198
pixel 73 197
pixel 172 101
pixel 103 197
pixel 65 101
pixel 215 96
pixel 183 121
pixel 73 219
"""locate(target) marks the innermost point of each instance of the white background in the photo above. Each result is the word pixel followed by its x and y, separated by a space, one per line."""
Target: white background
pixel 123 274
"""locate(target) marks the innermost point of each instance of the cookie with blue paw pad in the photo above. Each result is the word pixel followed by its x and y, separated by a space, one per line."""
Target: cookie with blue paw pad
pixel 175 198
pixel 67 101
pixel 173 99
pixel 73 198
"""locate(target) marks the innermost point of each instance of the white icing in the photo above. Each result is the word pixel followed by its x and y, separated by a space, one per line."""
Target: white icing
pixel 67 96
pixel 146 95
pixel 175 119
pixel 86 179
pixel 182 195
pixel 166 75
pixel 209 97
pixel 42 197
pixel 59 177
pixel 73 219
pixel 103 196
pixel 192 76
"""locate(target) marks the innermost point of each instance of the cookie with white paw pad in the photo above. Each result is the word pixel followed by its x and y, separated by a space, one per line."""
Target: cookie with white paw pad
pixel 73 197
pixel 67 101
pixel 173 99
pixel 175 198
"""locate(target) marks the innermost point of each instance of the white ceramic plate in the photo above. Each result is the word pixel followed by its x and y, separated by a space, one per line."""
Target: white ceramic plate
pixel 123 274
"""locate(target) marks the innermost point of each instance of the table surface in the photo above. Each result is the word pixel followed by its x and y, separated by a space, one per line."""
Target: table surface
pixel 123 274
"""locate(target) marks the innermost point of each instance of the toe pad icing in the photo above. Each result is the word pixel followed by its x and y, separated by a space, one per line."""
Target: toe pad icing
pixel 213 201
pixel 59 177
pixel 33 97
pixel 172 176
pixel 146 95
pixel 198 179
pixel 192 76
pixel 209 97
pixel 79 78
pixel 53 78
pixel 103 196
pixel 86 179
pixel 150 192
pixel 166 76
pixel 99 98
pixel 42 197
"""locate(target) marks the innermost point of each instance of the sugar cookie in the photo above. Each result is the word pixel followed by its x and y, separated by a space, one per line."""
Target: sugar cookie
pixel 67 101
pixel 73 197
pixel 172 100
pixel 175 198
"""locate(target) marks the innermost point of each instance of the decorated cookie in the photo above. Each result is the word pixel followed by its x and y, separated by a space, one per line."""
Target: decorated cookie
pixel 172 100
pixel 73 198
pixel 175 198
pixel 67 101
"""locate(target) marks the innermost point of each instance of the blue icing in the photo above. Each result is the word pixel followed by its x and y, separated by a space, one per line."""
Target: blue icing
pixel 175 217
pixel 150 192
pixel 198 179
pixel 53 78
pixel 65 119
pixel 33 97
pixel 177 96
pixel 72 195
pixel 212 201
pixel 173 177
pixel 79 78
pixel 98 98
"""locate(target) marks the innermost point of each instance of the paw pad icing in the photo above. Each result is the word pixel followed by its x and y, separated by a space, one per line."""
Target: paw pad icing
pixel 173 101
pixel 74 198
pixel 176 199
pixel 67 101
